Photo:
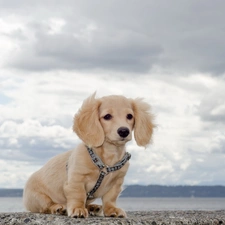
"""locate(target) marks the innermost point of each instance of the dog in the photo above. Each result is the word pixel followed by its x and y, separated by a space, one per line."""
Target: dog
pixel 69 182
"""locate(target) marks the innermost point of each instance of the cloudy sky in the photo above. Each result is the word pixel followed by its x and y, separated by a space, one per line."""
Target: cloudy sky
pixel 54 54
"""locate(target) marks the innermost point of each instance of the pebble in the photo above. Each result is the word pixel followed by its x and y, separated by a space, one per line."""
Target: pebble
pixel 137 217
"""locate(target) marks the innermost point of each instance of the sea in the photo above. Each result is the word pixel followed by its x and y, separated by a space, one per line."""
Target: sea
pixel 138 204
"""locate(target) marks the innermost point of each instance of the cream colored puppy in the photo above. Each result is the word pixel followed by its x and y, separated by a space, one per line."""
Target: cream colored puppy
pixel 104 125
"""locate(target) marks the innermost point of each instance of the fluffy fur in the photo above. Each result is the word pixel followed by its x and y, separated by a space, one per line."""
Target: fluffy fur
pixel 62 184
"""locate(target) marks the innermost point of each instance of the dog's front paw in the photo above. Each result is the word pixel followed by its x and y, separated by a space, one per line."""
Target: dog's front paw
pixel 114 212
pixel 78 212
pixel 94 210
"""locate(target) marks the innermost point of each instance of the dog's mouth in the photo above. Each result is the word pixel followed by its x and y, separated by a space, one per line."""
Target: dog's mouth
pixel 119 141
pixel 124 139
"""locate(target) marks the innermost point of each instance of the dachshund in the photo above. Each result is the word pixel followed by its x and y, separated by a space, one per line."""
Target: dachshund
pixel 104 125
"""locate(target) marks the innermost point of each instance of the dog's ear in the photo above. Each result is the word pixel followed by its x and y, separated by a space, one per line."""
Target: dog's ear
pixel 87 125
pixel 143 124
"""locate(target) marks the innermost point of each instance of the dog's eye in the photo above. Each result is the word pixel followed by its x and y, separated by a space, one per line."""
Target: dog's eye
pixel 107 117
pixel 129 116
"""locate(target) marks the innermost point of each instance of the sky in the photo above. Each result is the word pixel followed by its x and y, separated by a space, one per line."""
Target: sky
pixel 54 54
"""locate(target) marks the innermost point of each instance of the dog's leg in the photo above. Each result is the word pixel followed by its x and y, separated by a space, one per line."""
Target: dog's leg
pixel 48 206
pixel 76 199
pixel 109 201
pixel 41 203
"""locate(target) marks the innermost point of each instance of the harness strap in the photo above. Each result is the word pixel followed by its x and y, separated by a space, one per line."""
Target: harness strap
pixel 98 162
pixel 90 195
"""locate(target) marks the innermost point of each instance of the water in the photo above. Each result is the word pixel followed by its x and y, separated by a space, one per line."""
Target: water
pixel 139 204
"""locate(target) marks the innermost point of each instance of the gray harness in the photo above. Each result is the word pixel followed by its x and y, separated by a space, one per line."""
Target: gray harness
pixel 98 162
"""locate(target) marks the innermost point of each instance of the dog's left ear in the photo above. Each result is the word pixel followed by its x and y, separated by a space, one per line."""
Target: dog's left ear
pixel 87 125
pixel 143 124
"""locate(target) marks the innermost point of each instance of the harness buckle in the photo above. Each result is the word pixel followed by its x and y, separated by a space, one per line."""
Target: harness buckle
pixel 105 170
pixel 90 196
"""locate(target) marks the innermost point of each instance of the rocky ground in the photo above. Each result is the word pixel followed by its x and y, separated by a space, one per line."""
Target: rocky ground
pixel 138 217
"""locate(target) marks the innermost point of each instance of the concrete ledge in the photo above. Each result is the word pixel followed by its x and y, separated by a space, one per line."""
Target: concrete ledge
pixel 138 217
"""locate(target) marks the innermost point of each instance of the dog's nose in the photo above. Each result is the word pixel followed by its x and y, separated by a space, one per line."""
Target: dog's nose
pixel 123 132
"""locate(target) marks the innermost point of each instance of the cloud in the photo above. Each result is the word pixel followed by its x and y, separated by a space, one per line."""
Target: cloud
pixel 173 36
pixel 14 174
pixel 127 51
pixel 32 141
pixel 36 124
pixel 212 107
pixel 54 54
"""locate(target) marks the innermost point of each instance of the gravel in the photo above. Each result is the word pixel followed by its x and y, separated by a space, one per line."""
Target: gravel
pixel 137 217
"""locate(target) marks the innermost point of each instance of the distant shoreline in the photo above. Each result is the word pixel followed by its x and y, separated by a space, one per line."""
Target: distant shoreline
pixel 151 191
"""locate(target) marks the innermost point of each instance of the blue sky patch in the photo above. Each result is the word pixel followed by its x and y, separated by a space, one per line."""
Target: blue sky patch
pixel 4 99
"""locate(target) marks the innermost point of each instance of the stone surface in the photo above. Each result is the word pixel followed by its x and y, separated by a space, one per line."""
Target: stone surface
pixel 138 217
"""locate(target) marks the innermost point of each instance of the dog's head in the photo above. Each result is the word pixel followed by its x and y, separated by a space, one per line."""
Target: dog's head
pixel 112 119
